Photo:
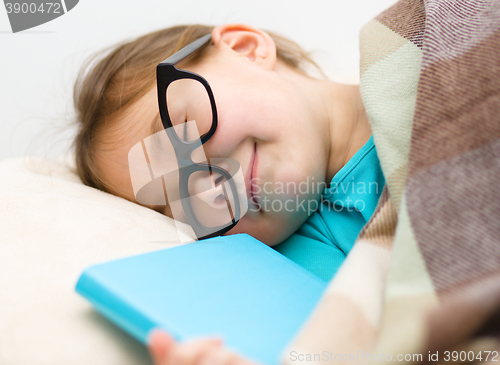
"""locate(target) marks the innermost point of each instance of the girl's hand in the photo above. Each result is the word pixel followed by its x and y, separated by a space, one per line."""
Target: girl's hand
pixel 165 350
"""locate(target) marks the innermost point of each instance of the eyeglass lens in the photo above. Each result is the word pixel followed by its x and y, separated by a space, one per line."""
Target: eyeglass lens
pixel 188 100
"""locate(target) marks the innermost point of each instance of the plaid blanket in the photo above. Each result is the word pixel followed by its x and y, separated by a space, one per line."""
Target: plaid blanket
pixel 422 283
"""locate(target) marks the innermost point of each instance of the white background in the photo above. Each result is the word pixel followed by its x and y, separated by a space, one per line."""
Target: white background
pixel 38 66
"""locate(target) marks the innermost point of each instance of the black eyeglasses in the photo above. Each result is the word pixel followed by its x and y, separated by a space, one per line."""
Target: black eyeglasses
pixel 208 193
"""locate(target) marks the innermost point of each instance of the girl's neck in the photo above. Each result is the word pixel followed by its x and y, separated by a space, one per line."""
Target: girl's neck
pixel 349 126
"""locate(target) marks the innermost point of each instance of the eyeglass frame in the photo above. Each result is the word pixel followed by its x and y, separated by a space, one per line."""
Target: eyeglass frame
pixel 166 73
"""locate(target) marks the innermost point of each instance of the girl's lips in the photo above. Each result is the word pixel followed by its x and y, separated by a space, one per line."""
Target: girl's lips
pixel 253 195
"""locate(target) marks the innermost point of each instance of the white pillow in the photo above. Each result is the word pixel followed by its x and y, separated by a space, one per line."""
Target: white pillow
pixel 52 228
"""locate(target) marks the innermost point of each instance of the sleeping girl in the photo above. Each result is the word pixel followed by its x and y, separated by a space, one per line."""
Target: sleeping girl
pixel 304 144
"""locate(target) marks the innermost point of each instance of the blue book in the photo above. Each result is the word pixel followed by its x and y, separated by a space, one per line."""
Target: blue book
pixel 233 287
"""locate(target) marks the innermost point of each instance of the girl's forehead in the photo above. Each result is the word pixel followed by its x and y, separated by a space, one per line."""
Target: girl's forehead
pixel 213 61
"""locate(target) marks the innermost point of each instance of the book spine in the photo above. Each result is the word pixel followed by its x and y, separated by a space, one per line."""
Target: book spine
pixel 113 307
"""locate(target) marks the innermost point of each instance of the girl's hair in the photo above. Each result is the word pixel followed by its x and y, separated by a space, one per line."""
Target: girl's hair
pixel 112 80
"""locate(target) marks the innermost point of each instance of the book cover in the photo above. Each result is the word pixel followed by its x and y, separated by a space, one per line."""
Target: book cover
pixel 233 287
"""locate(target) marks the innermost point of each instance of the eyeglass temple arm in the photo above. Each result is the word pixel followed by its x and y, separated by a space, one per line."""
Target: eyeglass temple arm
pixel 186 51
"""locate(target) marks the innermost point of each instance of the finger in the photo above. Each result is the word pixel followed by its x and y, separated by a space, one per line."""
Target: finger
pixel 190 353
pixel 159 344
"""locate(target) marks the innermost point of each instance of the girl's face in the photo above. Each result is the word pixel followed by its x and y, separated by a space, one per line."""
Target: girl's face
pixel 268 122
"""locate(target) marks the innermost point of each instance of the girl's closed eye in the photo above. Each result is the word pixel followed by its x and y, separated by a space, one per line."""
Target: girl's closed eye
pixel 219 180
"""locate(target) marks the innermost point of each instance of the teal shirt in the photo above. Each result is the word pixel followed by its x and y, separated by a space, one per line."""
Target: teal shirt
pixel 322 243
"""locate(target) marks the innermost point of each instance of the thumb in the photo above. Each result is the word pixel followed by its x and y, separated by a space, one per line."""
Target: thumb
pixel 159 344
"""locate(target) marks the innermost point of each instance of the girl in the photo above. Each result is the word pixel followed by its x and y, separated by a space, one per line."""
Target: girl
pixel 305 143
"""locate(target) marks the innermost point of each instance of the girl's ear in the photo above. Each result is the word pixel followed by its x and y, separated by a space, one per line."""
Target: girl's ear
pixel 252 43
